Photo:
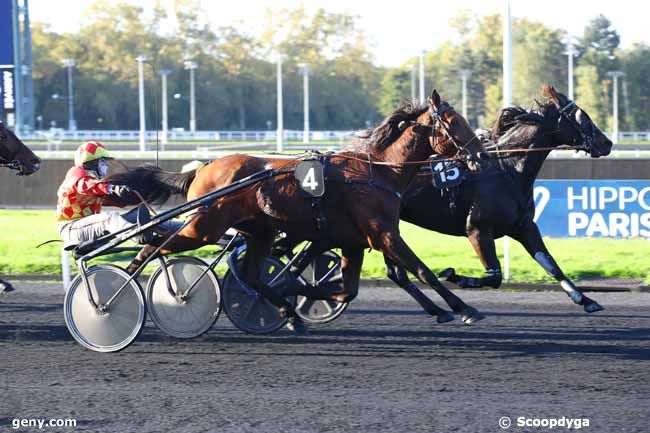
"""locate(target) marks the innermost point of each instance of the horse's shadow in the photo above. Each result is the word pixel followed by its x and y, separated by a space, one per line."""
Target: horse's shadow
pixel 500 340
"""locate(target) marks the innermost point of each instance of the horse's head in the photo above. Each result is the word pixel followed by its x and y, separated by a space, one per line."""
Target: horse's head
pixel 575 127
pixel 15 155
pixel 449 134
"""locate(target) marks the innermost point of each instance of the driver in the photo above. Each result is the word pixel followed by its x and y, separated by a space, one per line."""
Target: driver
pixel 83 192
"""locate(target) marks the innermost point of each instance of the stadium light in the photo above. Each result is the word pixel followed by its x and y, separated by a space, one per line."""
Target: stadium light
pixel 143 131
pixel 280 132
pixel 507 101
pixel 464 75
pixel 570 52
pixel 72 124
pixel 165 123
pixel 615 75
pixel 305 86
pixel 191 65
pixel 422 77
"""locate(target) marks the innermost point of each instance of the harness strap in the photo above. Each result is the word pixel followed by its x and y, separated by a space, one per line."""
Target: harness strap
pixel 372 183
pixel 316 203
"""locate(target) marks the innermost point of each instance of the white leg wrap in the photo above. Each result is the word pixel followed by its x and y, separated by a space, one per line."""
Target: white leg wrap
pixel 571 290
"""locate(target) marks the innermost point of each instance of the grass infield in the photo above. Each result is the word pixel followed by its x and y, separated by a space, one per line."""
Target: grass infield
pixel 22 230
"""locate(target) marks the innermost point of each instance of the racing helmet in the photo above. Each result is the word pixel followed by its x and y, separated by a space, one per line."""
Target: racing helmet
pixel 90 151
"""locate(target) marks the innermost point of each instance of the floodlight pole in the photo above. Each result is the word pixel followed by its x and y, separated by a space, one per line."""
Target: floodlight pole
pixel 507 101
pixel 72 124
pixel 191 66
pixel 413 85
pixel 422 77
pixel 615 75
pixel 165 123
pixel 570 52
pixel 464 75
pixel 305 91
pixel 143 144
pixel 280 130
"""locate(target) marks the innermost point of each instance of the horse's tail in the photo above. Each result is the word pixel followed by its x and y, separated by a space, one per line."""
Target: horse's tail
pixel 154 184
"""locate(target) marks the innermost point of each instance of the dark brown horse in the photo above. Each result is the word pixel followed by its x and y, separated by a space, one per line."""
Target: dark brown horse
pixel 499 200
pixel 15 156
pixel 361 205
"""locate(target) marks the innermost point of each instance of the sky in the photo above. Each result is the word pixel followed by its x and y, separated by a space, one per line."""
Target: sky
pixel 426 21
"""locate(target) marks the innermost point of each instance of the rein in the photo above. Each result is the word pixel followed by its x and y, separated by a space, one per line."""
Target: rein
pixel 392 164
pixel 13 165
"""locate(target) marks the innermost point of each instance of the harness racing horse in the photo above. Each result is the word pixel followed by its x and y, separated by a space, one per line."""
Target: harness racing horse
pixel 361 205
pixel 499 201
pixel 15 156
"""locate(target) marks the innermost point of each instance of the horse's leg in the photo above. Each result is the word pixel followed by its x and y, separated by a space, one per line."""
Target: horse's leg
pixel 482 241
pixel 392 245
pixel 351 262
pixel 258 247
pixel 399 276
pixel 531 239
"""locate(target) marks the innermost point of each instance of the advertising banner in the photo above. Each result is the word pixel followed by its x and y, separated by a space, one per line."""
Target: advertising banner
pixel 594 208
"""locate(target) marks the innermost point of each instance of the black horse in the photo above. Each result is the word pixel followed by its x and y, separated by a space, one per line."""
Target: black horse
pixel 499 201
pixel 16 156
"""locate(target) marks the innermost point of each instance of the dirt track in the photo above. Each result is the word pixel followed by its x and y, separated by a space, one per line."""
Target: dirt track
pixel 383 367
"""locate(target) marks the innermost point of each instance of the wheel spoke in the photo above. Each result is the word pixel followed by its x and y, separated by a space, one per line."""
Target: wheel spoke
pixel 250 308
pixel 328 307
pixel 307 304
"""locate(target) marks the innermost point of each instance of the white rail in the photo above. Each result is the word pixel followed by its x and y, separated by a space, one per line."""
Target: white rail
pixel 58 134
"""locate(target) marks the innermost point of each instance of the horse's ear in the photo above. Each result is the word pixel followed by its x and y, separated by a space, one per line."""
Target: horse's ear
pixel 550 93
pixel 530 118
pixel 434 100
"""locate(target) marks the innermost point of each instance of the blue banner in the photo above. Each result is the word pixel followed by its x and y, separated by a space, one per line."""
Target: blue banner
pixel 6 34
pixel 594 208
pixel 7 101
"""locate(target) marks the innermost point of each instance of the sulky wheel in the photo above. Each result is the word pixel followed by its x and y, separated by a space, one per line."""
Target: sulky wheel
pixel 108 329
pixel 246 308
pixel 177 312
pixel 323 269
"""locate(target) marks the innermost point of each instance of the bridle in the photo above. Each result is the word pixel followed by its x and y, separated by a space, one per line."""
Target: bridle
pixel 588 137
pixel 11 162
pixel 437 122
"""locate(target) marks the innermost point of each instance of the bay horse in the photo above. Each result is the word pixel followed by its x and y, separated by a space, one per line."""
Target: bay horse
pixel 498 201
pixel 15 156
pixel 361 205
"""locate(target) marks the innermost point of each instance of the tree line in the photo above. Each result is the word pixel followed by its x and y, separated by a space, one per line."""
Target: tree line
pixel 235 79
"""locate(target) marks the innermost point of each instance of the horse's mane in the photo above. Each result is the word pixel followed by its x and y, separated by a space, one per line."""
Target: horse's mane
pixel 383 135
pixel 507 118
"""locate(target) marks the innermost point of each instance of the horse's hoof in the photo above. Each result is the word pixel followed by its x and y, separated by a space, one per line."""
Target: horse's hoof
pixel 6 287
pixel 592 306
pixel 447 273
pixel 297 325
pixel 470 315
pixel 444 317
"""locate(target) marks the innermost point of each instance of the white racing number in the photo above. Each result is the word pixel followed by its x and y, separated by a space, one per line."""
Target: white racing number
pixel 445 176
pixel 310 180
pixel 309 175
